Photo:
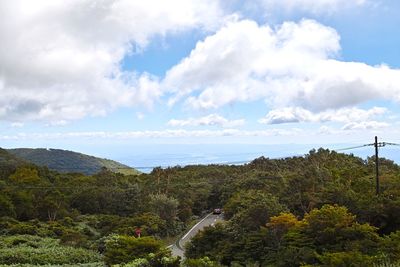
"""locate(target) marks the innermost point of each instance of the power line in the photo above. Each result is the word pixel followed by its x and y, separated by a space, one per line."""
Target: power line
pixel 380 144
pixel 391 144
pixel 353 147
pixel 377 145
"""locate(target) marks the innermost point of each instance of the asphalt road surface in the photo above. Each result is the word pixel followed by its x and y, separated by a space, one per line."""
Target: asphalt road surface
pixel 178 248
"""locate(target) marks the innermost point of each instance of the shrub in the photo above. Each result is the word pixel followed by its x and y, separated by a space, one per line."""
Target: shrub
pixel 202 262
pixel 123 249
pixel 25 249
pixel 162 258
pixel 345 259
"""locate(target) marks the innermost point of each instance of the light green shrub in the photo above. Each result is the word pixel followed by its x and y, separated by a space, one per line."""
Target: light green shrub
pixel 26 249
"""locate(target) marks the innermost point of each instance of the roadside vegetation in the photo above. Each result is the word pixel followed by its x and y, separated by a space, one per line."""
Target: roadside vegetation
pixel 316 210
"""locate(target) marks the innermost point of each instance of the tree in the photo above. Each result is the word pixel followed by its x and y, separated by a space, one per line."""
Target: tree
pixel 6 206
pixel 208 242
pixel 52 205
pixel 279 225
pixel 250 210
pixel 123 249
pixel 164 206
pixel 25 175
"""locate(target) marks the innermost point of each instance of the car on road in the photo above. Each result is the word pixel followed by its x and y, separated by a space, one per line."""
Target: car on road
pixel 217 211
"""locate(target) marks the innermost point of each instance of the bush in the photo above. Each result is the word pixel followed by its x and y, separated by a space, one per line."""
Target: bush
pixel 203 262
pixel 123 249
pixel 6 206
pixel 24 249
pixel 92 264
pixel 73 238
pixel 345 259
pixel 162 258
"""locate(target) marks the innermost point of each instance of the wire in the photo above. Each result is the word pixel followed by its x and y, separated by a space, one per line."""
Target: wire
pixel 391 144
pixel 380 144
pixel 354 147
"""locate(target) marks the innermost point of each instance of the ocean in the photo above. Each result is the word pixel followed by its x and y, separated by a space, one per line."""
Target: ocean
pixel 146 157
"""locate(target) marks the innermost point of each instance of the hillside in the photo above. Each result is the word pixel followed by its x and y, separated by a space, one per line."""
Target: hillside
pixel 8 163
pixel 69 161
pixel 9 159
pixel 320 209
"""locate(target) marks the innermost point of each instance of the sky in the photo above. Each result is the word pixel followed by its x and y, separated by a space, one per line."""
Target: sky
pixel 93 74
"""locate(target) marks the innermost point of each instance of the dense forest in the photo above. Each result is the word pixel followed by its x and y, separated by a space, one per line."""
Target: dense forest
pixel 69 161
pixel 317 210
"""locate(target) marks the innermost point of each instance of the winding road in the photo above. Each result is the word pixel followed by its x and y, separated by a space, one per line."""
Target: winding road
pixel 178 248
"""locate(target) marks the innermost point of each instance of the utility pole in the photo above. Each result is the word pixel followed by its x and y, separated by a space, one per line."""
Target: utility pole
pixel 377 146
pixel 377 165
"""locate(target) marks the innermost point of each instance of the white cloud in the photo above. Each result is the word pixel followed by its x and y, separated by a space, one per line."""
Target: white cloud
pixel 60 60
pixel 57 123
pixel 366 128
pixel 343 115
pixel 291 65
pixel 365 125
pixel 210 120
pixel 324 130
pixel 311 6
pixel 288 115
pixel 140 115
pixel 17 124
pixel 179 133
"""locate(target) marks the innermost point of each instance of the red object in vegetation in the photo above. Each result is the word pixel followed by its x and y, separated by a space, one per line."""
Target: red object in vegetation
pixel 138 231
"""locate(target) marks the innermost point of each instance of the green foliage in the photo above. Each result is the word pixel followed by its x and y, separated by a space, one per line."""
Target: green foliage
pixel 387 264
pixel 208 242
pixel 36 250
pixel 149 223
pixel 6 207
pixel 123 249
pixel 251 209
pixel 91 264
pixel 8 163
pixel 320 209
pixel 141 262
pixel 165 207
pixel 329 236
pixel 25 175
pixel 345 259
pixel 115 196
pixel 69 161
pixel 202 262
pixel 391 246
pixel 162 258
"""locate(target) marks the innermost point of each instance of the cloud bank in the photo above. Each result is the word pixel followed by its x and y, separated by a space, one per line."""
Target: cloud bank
pixel 344 115
pixel 292 65
pixel 179 133
pixel 61 59
pixel 311 6
pixel 210 120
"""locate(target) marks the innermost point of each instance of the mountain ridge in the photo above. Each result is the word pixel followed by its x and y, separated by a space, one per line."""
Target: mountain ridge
pixel 69 161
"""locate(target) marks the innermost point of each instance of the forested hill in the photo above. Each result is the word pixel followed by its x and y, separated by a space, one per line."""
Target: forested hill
pixel 8 159
pixel 320 209
pixel 9 162
pixel 69 161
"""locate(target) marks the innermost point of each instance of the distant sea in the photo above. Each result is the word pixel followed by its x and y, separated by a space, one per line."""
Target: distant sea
pixel 146 157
